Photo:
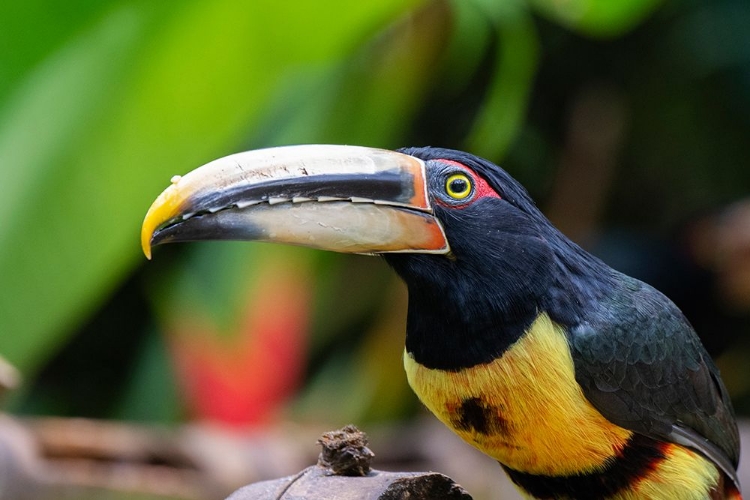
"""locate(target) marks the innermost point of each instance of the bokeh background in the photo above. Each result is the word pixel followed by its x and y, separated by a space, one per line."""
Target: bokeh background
pixel 627 120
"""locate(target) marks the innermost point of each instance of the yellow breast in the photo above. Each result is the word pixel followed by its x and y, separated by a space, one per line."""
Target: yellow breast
pixel 524 409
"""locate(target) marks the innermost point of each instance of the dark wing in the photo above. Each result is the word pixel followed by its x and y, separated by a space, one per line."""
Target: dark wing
pixel 643 367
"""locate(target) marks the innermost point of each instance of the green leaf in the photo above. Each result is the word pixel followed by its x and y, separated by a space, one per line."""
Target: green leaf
pixel 371 97
pixel 504 109
pixel 600 18
pixel 95 132
pixel 44 128
pixel 32 29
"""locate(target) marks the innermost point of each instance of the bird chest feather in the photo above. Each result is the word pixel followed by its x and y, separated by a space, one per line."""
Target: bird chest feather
pixel 525 408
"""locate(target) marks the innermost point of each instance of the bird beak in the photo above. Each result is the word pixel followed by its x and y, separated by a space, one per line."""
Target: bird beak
pixel 342 198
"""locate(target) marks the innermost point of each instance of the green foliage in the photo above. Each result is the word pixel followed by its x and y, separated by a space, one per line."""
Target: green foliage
pixel 601 18
pixel 90 134
pixel 504 109
pixel 102 102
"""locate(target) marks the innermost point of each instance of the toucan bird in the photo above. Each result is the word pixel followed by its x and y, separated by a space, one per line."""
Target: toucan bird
pixel 583 383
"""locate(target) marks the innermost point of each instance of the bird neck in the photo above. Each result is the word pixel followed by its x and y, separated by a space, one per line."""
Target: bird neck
pixel 450 331
pixel 465 313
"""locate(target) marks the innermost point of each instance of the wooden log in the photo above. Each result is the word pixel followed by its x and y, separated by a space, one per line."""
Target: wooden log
pixel 343 473
pixel 317 483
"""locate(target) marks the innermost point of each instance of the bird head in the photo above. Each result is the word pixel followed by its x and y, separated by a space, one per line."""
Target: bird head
pixel 466 238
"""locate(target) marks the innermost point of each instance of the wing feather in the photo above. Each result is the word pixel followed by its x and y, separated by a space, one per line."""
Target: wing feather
pixel 642 366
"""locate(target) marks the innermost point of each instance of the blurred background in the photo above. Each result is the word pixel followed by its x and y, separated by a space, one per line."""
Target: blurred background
pixel 217 364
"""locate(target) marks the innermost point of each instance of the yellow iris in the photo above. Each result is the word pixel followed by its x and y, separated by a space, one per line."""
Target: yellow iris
pixel 458 186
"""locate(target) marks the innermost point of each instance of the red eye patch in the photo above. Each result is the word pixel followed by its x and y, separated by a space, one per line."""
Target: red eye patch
pixel 481 188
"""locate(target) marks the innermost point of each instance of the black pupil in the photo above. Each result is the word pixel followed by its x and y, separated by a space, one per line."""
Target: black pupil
pixel 459 185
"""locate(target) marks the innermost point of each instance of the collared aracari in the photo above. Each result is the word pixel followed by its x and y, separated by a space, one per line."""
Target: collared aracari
pixel 581 382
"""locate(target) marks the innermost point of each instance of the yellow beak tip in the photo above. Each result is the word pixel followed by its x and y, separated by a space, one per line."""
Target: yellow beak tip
pixel 165 207
pixel 146 242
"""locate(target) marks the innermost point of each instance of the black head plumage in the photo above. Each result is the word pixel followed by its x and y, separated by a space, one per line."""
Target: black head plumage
pixel 508 263
pixel 506 186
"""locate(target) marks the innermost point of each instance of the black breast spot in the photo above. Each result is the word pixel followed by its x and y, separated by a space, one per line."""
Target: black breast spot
pixel 478 416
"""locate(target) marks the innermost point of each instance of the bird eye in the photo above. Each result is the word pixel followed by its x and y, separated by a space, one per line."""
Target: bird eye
pixel 458 186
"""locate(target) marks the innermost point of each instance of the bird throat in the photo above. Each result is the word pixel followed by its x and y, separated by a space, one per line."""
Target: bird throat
pixel 450 331
pixel 469 311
